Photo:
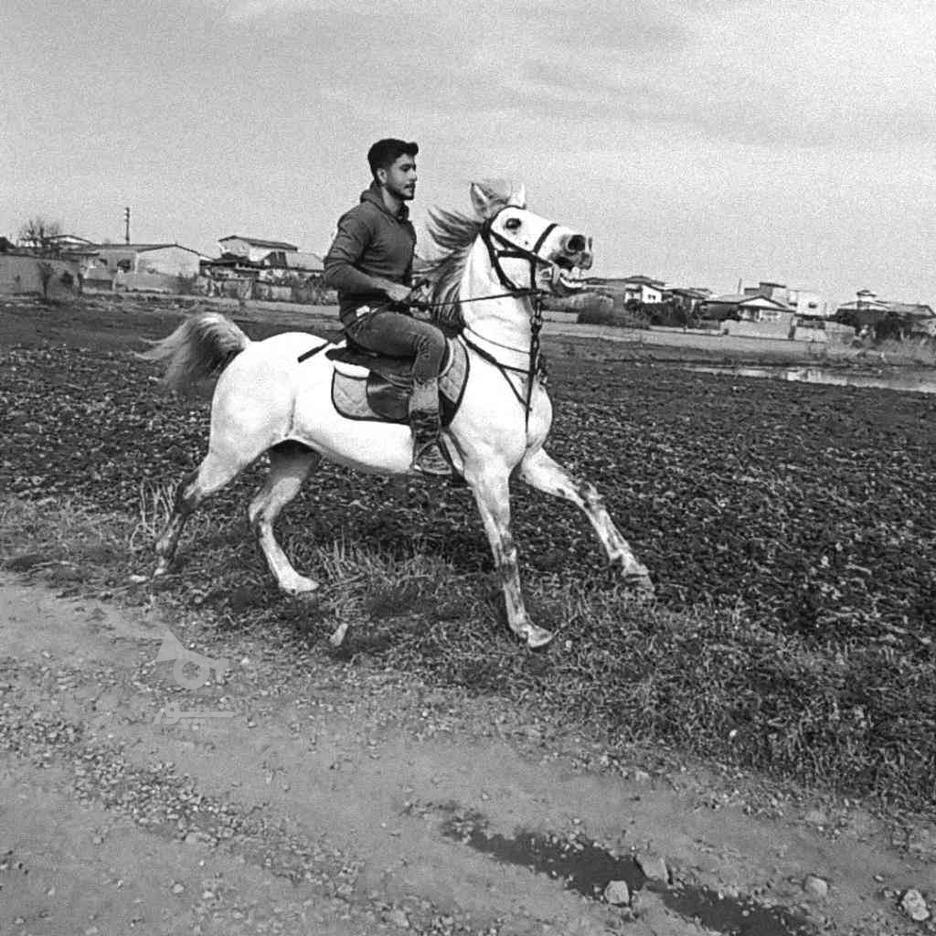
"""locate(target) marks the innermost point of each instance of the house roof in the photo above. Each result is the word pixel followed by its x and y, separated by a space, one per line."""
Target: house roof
pixel 907 309
pixel 138 248
pixel 643 280
pixel 691 291
pixel 763 302
pixel 913 309
pixel 295 260
pixel 860 305
pixel 623 282
pixel 231 260
pixel 69 239
pixel 259 242
pixel 749 302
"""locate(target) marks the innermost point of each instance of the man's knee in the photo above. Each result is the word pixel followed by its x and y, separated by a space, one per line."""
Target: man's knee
pixel 430 348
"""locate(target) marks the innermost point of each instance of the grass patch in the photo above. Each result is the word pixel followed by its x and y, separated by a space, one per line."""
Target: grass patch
pixel 39 536
pixel 841 714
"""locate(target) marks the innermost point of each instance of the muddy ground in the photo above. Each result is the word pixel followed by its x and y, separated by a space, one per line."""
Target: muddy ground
pixel 337 797
pixel 332 800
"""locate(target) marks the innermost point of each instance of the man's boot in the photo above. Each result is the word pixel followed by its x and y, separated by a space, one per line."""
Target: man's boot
pixel 424 420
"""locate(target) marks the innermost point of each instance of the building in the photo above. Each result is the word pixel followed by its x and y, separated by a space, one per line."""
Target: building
pixel 885 318
pixel 50 277
pixel 166 268
pixel 163 259
pixel 807 303
pixel 686 298
pixel 741 306
pixel 624 289
pixel 768 290
pixel 69 243
pixel 253 249
pixel 643 289
pixel 296 261
pixel 291 276
pixel 758 311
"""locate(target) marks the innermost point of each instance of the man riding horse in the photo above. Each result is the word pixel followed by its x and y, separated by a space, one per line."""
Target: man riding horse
pixel 370 263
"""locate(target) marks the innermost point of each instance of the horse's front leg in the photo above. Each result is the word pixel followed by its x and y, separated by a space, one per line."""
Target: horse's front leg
pixel 492 493
pixel 543 473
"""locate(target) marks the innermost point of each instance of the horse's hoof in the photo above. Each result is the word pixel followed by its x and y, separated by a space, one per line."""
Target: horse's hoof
pixel 641 585
pixel 162 568
pixel 300 586
pixel 337 638
pixel 537 636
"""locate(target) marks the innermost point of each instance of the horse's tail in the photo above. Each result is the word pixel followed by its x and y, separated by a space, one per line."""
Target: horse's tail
pixel 200 347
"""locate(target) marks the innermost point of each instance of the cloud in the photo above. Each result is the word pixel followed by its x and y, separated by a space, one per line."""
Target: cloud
pixel 246 10
pixel 823 74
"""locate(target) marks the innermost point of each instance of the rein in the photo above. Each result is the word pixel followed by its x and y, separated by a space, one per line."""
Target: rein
pixel 533 370
pixel 508 249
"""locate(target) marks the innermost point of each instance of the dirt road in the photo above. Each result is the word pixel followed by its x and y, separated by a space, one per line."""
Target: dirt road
pixel 141 796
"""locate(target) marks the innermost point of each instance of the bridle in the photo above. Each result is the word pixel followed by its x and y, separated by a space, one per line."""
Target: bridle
pixel 500 248
pixel 509 249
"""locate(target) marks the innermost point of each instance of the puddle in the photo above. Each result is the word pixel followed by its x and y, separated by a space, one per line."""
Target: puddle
pixel 907 380
pixel 587 868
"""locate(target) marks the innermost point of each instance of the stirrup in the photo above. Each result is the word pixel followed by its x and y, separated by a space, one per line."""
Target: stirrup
pixel 429 460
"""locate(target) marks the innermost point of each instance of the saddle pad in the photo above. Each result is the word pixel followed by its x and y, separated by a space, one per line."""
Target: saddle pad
pixel 361 394
pixel 350 370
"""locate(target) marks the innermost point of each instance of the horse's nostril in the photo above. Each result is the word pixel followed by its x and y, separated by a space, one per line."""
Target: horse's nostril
pixel 575 244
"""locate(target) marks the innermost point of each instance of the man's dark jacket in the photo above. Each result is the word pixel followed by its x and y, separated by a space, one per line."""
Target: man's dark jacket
pixel 370 241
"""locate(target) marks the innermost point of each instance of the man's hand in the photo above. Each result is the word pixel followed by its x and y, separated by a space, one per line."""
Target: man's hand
pixel 397 291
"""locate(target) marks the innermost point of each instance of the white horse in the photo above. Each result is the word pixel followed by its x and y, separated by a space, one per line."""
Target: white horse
pixel 491 269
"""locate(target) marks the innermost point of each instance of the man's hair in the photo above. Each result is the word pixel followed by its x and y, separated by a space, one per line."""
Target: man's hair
pixel 384 153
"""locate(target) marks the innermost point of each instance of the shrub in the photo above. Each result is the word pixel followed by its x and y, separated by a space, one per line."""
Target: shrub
pixel 616 317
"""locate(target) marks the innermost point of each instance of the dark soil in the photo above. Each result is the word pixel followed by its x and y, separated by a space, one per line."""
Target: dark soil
pixel 809 512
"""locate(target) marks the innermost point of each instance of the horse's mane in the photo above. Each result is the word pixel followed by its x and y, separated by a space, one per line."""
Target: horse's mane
pixel 454 235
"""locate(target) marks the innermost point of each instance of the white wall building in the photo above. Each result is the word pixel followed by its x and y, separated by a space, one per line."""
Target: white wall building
pixel 808 302
pixel 253 249
pixel 164 259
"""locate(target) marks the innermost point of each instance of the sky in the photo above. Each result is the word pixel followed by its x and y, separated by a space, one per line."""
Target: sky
pixel 700 142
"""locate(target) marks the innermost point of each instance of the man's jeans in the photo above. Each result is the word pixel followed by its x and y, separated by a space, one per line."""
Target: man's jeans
pixel 399 335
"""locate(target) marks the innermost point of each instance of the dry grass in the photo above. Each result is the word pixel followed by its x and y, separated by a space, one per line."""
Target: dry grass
pixel 848 715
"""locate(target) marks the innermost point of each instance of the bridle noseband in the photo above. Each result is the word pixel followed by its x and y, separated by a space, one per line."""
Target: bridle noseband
pixel 509 249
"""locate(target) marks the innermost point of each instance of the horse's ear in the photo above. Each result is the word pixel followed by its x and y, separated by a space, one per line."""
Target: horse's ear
pixel 490 195
pixel 482 201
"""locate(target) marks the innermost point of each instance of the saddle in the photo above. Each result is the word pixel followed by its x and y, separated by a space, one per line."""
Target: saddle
pixel 377 387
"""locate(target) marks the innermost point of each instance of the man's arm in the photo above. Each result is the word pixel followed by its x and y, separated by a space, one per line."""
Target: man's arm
pixel 347 248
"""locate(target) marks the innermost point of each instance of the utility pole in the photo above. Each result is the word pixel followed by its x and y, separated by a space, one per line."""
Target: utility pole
pixel 127 225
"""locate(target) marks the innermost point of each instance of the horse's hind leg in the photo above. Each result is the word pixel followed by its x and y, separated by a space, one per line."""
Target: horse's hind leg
pixel 215 471
pixel 542 472
pixel 289 465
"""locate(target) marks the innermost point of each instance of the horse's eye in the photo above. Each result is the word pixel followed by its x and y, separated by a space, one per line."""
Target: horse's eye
pixel 512 224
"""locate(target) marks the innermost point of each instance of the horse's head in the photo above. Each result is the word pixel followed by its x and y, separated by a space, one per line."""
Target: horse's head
pixel 525 250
